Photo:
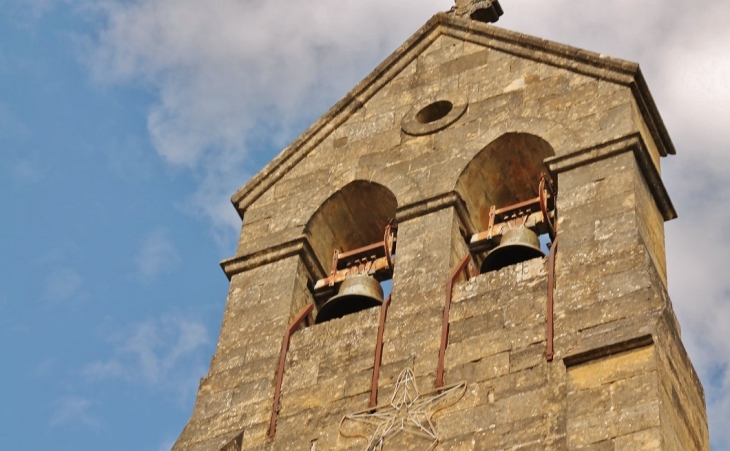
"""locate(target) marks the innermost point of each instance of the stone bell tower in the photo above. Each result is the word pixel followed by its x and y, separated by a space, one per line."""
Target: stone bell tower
pixel 509 189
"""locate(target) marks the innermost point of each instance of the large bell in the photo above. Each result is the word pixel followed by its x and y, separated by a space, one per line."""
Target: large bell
pixel 517 245
pixel 356 293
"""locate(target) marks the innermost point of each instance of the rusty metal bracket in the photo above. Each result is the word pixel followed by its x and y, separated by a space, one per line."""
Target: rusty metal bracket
pixel 378 353
pixel 304 315
pixel 461 267
pixel 537 214
pixel 546 184
pixel 375 260
pixel 549 352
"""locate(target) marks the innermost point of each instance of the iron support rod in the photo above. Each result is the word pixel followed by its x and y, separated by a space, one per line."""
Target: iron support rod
pixel 445 325
pixel 378 353
pixel 282 362
pixel 549 352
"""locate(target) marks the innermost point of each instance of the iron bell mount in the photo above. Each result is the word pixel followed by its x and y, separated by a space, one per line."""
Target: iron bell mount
pixel 358 274
pixel 512 233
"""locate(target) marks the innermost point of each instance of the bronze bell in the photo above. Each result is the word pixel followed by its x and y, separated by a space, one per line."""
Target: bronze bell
pixel 356 293
pixel 517 245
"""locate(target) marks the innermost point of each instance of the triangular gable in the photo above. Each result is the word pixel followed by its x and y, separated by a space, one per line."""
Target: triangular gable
pixel 576 60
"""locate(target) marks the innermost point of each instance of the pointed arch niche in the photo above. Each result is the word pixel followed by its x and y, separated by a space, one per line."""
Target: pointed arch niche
pixel 504 173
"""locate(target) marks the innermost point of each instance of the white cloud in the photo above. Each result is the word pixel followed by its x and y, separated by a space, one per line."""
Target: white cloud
pixel 166 445
pixel 163 354
pixel 63 284
pixel 73 411
pixel 234 77
pixel 682 50
pixel 10 126
pixel 157 255
pixel 698 251
pixel 25 172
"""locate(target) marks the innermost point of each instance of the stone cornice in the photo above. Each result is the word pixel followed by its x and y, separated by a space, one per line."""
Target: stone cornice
pixel 608 350
pixel 303 249
pixel 451 199
pixel 299 246
pixel 559 55
pixel 630 143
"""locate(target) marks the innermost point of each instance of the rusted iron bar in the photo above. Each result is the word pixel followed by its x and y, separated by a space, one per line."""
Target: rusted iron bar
pixel 375 259
pixel 378 353
pixel 362 251
pixel 534 220
pixel 545 186
pixel 549 352
pixel 302 316
pixel 516 207
pixel 445 325
pixel 380 268
pixel 537 213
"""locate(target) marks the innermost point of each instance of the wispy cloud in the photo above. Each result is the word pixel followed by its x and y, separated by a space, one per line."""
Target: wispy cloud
pixel 157 255
pixel 233 77
pixel 25 14
pixel 166 445
pixel 10 126
pixel 63 284
pixel 687 68
pixel 163 354
pixel 73 411
pixel 25 172
pixel 36 8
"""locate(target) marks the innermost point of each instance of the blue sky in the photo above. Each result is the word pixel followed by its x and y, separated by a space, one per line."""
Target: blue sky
pixel 125 126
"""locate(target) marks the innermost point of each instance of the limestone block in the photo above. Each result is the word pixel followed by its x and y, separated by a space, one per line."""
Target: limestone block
pixel 612 397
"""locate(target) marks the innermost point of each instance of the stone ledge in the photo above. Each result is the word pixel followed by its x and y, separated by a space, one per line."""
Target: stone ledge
pixel 608 350
pixel 630 143
pixel 299 246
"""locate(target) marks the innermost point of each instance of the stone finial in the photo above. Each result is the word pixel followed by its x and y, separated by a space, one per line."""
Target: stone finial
pixel 481 10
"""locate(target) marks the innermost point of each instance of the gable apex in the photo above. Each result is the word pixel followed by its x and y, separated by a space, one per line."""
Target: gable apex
pixel 607 69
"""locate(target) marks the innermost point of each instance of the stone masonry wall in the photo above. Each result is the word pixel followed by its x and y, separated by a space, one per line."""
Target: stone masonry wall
pixel 621 379
pixel 237 393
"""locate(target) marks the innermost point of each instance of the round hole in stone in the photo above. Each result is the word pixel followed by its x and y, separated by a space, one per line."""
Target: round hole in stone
pixel 435 111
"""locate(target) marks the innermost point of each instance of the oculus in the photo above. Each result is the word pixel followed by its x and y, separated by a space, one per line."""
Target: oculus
pixel 433 115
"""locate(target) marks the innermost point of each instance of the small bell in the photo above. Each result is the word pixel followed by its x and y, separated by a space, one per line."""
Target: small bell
pixel 517 245
pixel 356 293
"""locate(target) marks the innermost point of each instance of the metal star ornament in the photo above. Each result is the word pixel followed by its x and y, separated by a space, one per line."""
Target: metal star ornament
pixel 408 412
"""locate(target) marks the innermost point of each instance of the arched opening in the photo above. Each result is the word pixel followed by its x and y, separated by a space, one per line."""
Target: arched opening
pixel 353 235
pixel 500 186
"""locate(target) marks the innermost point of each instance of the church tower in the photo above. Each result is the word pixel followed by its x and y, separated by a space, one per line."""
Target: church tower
pixel 508 189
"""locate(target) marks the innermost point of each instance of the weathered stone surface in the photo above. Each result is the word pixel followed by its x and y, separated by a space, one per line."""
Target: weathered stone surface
pixel 620 378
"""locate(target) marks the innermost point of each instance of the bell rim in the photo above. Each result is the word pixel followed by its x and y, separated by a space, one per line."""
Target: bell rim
pixel 322 313
pixel 358 300
pixel 503 248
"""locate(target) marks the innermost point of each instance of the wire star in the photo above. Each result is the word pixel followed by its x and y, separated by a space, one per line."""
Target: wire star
pixel 407 412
